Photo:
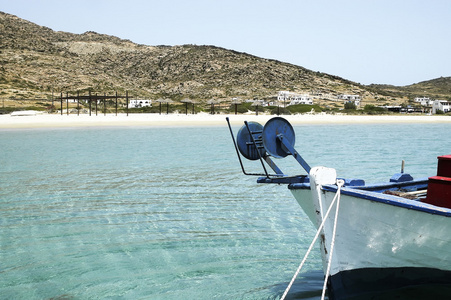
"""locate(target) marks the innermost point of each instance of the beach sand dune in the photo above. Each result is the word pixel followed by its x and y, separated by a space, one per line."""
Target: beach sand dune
pixel 202 119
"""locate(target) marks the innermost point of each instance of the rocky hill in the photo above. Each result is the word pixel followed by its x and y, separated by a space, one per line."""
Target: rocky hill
pixel 439 88
pixel 36 61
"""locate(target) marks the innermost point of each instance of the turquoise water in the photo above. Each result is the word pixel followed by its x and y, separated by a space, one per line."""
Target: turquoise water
pixel 165 213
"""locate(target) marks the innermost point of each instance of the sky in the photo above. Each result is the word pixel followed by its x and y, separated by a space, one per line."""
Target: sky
pixel 398 42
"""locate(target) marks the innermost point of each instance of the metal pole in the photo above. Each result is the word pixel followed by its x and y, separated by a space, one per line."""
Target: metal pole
pixel 90 103
pixel 96 103
pixel 104 104
pixel 186 108
pixel 160 107
pixel 116 103
pixel 67 103
pixel 61 103
pixel 78 103
pixel 126 98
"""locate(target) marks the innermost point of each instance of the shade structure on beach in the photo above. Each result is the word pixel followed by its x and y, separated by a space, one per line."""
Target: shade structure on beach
pixel 212 102
pixel 98 99
pixel 186 101
pixel 256 103
pixel 236 102
pixel 167 101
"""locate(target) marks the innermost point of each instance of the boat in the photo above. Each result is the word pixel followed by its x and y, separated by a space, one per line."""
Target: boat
pixel 24 113
pixel 388 240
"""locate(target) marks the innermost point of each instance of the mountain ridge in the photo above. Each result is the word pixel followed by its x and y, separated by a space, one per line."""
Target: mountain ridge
pixel 38 61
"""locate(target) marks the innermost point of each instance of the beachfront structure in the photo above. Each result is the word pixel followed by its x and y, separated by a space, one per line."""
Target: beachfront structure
pixel 294 98
pixel 283 95
pixel 273 103
pixel 139 103
pixel 442 105
pixel 260 102
pixel 301 99
pixel 424 101
pixel 350 98
pixel 263 102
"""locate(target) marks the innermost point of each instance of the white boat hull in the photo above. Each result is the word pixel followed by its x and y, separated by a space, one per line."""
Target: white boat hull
pixel 376 239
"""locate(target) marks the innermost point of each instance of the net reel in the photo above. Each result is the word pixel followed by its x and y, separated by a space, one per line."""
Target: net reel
pixel 249 141
pixel 272 131
pixel 276 138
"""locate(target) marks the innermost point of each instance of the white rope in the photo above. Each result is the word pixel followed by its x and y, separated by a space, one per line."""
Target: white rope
pixel 340 184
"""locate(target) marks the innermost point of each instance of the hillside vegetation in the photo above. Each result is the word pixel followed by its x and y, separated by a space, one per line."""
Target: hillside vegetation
pixel 439 88
pixel 37 62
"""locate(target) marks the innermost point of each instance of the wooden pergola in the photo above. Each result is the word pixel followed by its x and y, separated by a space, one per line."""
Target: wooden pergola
pixel 212 102
pixel 236 102
pixel 167 101
pixel 89 99
pixel 186 101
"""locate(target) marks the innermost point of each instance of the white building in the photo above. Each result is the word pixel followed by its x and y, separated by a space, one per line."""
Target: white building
pixel 442 105
pixel 283 96
pixel 301 99
pixel 294 98
pixel 139 103
pixel 259 102
pixel 424 101
pixel 350 98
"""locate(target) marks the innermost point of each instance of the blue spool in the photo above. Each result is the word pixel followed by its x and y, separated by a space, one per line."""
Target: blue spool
pixel 274 127
pixel 244 141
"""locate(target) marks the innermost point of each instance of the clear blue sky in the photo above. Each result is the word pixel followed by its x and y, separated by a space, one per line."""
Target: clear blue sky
pixel 384 41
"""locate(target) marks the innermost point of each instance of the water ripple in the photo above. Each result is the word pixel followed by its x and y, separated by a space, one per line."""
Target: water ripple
pixel 139 213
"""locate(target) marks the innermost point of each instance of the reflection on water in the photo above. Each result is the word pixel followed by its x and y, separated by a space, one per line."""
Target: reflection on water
pixel 308 285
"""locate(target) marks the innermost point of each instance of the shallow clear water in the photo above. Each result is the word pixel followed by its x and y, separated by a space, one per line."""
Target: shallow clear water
pixel 165 213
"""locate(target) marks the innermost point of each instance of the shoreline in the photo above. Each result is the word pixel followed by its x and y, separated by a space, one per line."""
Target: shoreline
pixel 201 119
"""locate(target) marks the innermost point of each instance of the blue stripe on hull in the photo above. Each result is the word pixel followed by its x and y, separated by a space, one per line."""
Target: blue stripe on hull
pixel 390 283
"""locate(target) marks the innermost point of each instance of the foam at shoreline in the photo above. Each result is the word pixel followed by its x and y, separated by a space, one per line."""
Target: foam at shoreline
pixel 201 119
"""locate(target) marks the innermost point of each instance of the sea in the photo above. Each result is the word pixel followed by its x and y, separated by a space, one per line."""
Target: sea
pixel 166 212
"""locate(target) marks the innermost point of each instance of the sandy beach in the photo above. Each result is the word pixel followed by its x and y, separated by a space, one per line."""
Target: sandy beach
pixel 202 119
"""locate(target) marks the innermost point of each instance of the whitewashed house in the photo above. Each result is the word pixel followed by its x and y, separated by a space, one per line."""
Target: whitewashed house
pixel 442 105
pixel 350 98
pixel 260 102
pixel 294 98
pixel 301 99
pixel 283 96
pixel 424 101
pixel 139 103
